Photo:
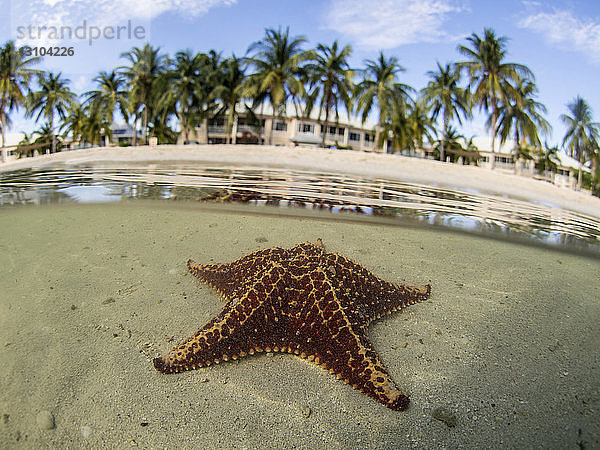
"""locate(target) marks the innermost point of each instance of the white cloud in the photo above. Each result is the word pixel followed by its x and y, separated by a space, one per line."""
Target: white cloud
pixel 566 31
pixel 80 83
pixel 95 13
pixel 384 24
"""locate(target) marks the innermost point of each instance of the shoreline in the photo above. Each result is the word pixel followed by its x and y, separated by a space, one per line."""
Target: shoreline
pixel 374 165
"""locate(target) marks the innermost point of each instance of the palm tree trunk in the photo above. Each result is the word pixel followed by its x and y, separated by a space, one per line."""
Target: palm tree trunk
pixel 580 174
pixel 378 133
pixel 134 138
pixel 52 131
pixel 324 127
pixel 494 120
pixel 229 126
pixel 444 133
pixel 234 125
pixel 205 129
pixel 145 125
pixel 270 142
pixel 184 129
pixel 3 123
pixel 517 147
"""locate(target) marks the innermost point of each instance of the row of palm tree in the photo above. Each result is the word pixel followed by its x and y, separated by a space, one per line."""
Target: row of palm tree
pixel 152 92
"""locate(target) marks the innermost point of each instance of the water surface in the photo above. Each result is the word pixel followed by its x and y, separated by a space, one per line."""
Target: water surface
pixel 454 208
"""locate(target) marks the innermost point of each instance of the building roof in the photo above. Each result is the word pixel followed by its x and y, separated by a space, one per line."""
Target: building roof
pixel 484 144
pixel 567 161
pixel 13 139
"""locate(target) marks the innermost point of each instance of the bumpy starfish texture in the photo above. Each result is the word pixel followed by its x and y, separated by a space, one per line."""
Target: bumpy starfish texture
pixel 305 301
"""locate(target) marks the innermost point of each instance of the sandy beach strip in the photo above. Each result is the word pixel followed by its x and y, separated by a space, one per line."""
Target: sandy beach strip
pixel 376 165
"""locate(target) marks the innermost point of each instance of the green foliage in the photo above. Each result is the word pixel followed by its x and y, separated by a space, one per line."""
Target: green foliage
pixel 146 65
pixel 582 135
pixel 52 100
pixel 101 103
pixel 279 74
pixel 443 94
pixel 380 87
pixel 330 80
pixel 15 77
pixel 490 75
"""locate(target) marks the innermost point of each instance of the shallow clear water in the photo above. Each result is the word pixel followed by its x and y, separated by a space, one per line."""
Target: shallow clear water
pixel 90 293
pixel 94 285
pixel 454 208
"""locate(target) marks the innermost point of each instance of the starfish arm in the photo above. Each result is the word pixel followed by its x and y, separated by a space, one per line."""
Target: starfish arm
pixel 246 325
pixel 366 293
pixel 349 356
pixel 233 278
pixel 394 296
pixel 334 337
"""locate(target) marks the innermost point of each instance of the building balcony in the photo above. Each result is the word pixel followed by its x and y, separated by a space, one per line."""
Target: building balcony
pixel 215 129
pixel 251 128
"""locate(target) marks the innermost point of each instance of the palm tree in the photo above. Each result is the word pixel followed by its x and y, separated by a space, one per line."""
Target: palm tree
pixel 453 142
pixel 110 94
pixel 331 77
pixel 421 124
pixel 183 83
pixel 472 151
pixel 582 134
pixel 548 159
pixel 93 126
pixel 379 86
pixel 230 91
pixel 15 76
pixel 53 98
pixel 75 122
pixel 444 94
pixel 489 75
pixel 40 141
pixel 145 65
pixel 522 113
pixel 396 123
pixel 209 80
pixel 277 61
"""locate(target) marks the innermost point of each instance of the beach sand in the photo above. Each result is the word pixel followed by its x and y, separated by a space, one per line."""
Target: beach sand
pixel 506 348
pixel 395 167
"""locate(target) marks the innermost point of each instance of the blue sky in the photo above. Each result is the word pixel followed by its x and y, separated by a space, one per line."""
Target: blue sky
pixel 558 39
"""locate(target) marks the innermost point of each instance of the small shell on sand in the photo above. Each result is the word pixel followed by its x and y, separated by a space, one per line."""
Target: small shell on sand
pixel 444 415
pixel 45 420
pixel 85 431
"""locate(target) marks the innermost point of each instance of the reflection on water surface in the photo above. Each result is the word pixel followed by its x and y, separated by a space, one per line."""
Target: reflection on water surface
pixel 471 211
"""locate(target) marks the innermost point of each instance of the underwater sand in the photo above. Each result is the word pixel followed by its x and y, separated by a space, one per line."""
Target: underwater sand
pixel 507 345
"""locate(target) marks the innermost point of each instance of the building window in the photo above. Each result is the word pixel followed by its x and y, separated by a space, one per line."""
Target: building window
pixel 341 131
pixel 280 126
pixel 354 136
pixel 305 127
pixel 332 130
pixel 216 123
pixel 369 138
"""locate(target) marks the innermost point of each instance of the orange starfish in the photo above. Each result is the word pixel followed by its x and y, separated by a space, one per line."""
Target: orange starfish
pixel 305 301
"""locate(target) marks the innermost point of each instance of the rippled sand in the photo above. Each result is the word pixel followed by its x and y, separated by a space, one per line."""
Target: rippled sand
pixel 507 344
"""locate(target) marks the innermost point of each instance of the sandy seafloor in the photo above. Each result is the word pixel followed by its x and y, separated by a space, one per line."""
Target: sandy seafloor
pixel 507 344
